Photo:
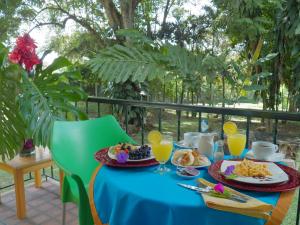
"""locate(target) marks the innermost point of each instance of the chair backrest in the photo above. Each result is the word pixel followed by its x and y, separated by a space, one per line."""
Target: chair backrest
pixel 74 144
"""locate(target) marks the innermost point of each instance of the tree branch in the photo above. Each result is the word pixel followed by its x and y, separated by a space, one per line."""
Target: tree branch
pixel 83 23
pixel 168 6
pixel 46 24
pixel 112 13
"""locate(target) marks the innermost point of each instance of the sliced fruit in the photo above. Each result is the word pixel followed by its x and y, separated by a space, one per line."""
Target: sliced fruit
pixel 230 128
pixel 154 137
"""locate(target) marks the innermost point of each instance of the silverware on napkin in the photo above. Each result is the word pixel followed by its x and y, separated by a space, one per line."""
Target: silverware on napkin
pixel 233 197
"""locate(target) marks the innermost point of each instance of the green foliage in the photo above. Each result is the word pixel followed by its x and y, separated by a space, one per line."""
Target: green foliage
pixel 267 58
pixel 30 105
pixel 12 127
pixel 145 60
pixel 253 43
pixel 120 63
pixel 12 14
pixel 48 97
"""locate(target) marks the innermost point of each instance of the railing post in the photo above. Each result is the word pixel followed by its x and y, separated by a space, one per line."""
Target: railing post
pixel 222 123
pixel 87 107
pixel 52 173
pixel 98 110
pixel 44 174
pixel 143 111
pixel 159 119
pixel 199 122
pixel 248 131
pixel 126 118
pixel 275 130
pixel 178 124
pixel 298 209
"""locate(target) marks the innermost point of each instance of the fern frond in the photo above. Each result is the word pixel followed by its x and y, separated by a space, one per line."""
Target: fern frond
pixel 120 63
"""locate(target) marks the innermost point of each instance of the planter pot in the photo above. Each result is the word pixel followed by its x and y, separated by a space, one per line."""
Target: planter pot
pixel 27 152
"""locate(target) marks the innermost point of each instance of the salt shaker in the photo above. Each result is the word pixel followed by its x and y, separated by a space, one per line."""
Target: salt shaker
pixel 219 153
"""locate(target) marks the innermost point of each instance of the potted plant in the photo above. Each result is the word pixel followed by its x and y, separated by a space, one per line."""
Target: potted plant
pixel 28 148
pixel 33 96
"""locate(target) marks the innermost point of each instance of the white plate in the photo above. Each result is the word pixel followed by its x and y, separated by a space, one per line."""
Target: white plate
pixel 278 175
pixel 208 163
pixel 276 157
pixel 112 156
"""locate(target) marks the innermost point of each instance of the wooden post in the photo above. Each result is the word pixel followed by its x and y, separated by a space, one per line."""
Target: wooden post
pixel 61 180
pixel 20 194
pixel 37 178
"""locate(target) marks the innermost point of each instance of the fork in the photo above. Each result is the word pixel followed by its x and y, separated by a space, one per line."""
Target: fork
pixel 201 185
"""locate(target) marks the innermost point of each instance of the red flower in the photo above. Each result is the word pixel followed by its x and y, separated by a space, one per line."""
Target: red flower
pixel 14 57
pixel 24 52
pixel 26 42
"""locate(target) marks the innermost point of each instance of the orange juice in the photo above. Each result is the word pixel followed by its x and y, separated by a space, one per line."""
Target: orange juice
pixel 162 151
pixel 236 144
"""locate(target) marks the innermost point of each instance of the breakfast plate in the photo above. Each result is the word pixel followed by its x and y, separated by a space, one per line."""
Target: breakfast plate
pixel 137 154
pixel 291 184
pixel 189 158
pixel 102 157
pixel 257 172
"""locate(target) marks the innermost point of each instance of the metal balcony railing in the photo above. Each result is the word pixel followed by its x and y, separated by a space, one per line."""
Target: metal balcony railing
pixel 248 114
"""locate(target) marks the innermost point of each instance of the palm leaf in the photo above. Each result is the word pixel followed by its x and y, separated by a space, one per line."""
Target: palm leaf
pixel 12 126
pixel 48 97
pixel 120 63
pixel 183 62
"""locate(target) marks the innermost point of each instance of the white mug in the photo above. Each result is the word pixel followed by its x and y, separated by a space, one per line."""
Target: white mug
pixel 190 139
pixel 263 149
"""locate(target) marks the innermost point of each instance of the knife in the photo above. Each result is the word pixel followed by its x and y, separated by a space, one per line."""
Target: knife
pixel 207 190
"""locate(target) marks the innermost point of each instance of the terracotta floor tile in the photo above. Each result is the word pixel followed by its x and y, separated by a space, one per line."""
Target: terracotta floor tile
pixel 43 207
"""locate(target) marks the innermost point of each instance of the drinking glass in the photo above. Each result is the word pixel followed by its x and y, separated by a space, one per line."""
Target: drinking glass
pixel 162 152
pixel 236 143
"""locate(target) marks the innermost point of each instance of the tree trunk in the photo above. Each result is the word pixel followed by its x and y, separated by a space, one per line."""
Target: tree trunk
pixel 123 18
pixel 176 91
pixel 168 6
pixel 113 15
pixel 127 12
pixel 182 93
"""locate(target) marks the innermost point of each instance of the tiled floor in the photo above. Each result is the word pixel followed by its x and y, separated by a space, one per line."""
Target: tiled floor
pixel 43 207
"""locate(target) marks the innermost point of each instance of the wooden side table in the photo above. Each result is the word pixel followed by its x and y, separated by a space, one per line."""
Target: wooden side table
pixel 19 166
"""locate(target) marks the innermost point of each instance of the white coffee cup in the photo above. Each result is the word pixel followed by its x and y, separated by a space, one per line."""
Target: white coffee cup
pixel 263 149
pixel 190 139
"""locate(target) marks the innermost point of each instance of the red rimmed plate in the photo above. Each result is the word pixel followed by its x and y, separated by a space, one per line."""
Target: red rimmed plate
pixel 291 184
pixel 102 156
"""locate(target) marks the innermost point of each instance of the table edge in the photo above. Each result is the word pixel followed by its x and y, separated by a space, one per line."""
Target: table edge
pixel 94 212
pixel 278 213
pixel 281 208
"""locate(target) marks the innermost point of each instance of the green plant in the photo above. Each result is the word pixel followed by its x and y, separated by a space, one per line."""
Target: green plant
pixel 32 100
pixel 11 123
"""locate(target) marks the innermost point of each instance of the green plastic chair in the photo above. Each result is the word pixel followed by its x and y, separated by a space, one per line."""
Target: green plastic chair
pixel 73 146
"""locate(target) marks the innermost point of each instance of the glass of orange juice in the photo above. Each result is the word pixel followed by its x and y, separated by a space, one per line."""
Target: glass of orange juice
pixel 162 151
pixel 236 143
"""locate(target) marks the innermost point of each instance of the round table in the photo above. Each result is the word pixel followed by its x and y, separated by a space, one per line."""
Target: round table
pixel 137 196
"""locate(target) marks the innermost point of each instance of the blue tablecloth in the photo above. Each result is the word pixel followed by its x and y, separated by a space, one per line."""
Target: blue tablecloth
pixel 141 197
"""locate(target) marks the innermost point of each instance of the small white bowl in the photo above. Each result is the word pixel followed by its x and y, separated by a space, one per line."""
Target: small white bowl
pixel 187 176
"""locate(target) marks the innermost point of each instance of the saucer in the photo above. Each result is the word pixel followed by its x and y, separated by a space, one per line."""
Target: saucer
pixel 181 144
pixel 275 157
pixel 186 176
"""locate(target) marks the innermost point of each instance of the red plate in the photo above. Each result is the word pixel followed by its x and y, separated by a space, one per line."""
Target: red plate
pixel 292 183
pixel 102 156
